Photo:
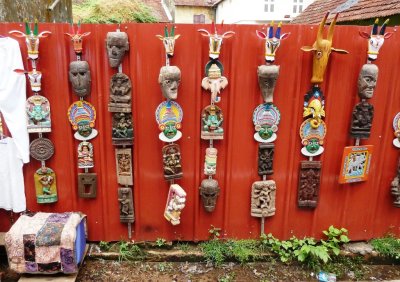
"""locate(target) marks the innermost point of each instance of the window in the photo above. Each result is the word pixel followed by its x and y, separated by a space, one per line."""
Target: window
pixel 269 6
pixel 297 6
pixel 199 18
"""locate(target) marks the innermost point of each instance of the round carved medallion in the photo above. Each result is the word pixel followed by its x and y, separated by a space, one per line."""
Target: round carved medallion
pixel 41 149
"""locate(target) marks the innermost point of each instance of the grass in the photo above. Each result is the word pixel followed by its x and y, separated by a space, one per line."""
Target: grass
pixel 388 246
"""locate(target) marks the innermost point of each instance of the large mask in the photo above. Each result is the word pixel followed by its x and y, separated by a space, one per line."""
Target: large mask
pixel 169 79
pixel 267 76
pixel 117 44
pixel 367 81
pixel 209 191
pixel 79 75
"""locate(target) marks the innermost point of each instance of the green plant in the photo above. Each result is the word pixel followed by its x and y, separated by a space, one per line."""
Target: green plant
pixel 184 247
pixel 388 246
pixel 243 250
pixel 214 232
pixel 215 251
pixel 161 242
pixel 336 237
pixel 104 246
pixel 163 267
pixel 129 252
pixel 227 277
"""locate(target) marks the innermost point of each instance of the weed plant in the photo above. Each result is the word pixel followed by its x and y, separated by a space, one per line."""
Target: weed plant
pixel 388 246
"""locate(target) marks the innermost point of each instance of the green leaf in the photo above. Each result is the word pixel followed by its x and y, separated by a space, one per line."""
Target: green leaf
pixel 336 251
pixel 344 239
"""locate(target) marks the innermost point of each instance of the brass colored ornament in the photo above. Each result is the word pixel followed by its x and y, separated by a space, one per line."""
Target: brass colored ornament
pixel 125 199
pixel 87 185
pixel 263 198
pixel 41 149
pixel 309 183
pixel 123 159
pixel 45 186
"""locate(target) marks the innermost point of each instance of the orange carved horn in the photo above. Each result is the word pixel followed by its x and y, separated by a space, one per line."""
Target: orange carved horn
pixel 331 28
pixel 321 29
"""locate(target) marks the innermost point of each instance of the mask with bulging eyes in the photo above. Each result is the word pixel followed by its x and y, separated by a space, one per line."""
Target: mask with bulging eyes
pixel 209 191
pixel 79 76
pixel 117 44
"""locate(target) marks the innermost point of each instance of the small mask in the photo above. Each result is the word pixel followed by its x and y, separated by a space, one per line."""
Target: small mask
pixel 267 76
pixel 169 79
pixel 169 41
pixel 117 44
pixel 367 81
pixel 209 191
pixel 79 76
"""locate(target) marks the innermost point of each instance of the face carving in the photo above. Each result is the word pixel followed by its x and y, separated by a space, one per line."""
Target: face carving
pixel 117 44
pixel 79 76
pixel 169 79
pixel 215 40
pixel 209 191
pixel 367 81
pixel 267 76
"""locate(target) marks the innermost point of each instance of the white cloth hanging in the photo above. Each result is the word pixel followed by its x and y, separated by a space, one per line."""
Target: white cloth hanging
pixel 13 95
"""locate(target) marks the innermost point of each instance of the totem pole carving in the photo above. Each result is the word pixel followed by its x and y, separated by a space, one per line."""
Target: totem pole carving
pixel 212 117
pixel 313 129
pixel 169 117
pixel 266 118
pixel 82 115
pixel 120 105
pixel 38 117
pixel 356 159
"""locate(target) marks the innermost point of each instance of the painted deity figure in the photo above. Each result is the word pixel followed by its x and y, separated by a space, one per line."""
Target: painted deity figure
pixel 210 162
pixel 169 117
pixel 214 81
pixel 122 125
pixel 267 76
pixel 85 155
pixel 38 114
pixel 169 80
pixel 45 185
pixel 175 203
pixel 120 93
pixel 209 191
pixel 212 119
pixel 79 76
pixel 117 44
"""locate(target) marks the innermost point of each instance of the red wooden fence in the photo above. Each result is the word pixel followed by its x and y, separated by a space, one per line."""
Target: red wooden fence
pixel 365 208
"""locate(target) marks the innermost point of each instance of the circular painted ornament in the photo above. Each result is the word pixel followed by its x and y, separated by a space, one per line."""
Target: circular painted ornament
pixel 41 149
pixel 266 118
pixel 82 116
pixel 169 117
pixel 396 127
pixel 312 138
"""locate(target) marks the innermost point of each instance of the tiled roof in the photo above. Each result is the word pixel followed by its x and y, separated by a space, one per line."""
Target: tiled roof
pixel 157 10
pixel 349 10
pixel 197 3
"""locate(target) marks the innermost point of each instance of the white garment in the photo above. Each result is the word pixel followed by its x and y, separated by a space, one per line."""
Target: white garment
pixel 12 189
pixel 13 95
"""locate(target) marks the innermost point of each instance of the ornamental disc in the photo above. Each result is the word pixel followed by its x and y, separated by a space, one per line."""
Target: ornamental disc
pixel 41 149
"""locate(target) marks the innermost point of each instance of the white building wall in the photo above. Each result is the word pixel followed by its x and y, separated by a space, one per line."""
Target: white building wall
pixel 253 11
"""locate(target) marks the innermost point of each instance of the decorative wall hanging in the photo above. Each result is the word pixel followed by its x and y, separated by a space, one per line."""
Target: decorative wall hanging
pixel 313 129
pixel 212 117
pixel 395 185
pixel 82 115
pixel 356 159
pixel 169 115
pixel 38 117
pixel 120 105
pixel 266 118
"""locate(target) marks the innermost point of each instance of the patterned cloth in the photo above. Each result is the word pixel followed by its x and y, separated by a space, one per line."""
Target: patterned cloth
pixel 43 243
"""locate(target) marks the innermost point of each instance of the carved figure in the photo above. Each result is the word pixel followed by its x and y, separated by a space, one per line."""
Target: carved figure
pixel 85 155
pixel 77 37
pixel 169 80
pixel 169 117
pixel 31 38
pixel 172 161
pixel 263 198
pixel 315 108
pixel 169 41
pixel 310 177
pixel 396 127
pixel 45 186
pixel 215 40
pixel 38 114
pixel 375 40
pixel 272 42
pixel 214 82
pixel 322 48
pixel 267 76
pixel 79 76
pixel 122 129
pixel 312 138
pixel 124 166
pixel 395 187
pixel 212 118
pixel 120 94
pixel 34 77
pixel 175 203
pixel 361 122
pixel 209 191
pixel 210 162
pixel 266 118
pixel 367 81
pixel 356 161
pixel 125 199
pixel 87 185
pixel 82 116
pixel 266 158
pixel 41 149
pixel 117 44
